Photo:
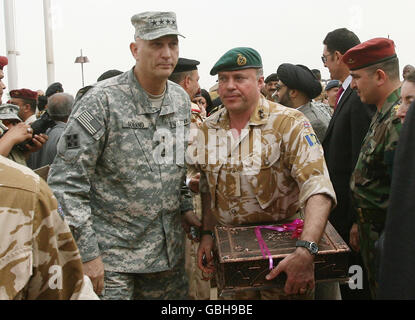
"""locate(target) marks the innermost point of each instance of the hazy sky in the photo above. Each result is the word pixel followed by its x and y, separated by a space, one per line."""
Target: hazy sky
pixel 282 31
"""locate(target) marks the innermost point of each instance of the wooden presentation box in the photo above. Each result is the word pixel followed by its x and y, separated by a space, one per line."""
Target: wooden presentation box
pixel 241 266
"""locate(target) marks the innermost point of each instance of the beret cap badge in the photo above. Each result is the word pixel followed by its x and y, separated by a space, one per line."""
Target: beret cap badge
pixel 241 60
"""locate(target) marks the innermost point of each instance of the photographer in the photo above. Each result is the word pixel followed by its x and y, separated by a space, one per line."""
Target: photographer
pixel 59 110
pixel 15 132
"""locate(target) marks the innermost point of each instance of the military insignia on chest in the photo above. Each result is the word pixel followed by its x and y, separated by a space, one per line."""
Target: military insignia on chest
pixel 72 141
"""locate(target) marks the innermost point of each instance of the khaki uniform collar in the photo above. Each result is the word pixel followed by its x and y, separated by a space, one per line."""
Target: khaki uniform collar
pixel 259 117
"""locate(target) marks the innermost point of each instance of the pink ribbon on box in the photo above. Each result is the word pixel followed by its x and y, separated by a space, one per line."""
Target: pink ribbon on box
pixel 296 227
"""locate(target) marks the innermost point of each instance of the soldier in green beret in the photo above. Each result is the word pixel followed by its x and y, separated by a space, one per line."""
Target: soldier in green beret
pixel 279 175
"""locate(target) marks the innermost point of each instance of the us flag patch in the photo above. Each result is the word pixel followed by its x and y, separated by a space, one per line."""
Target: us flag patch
pixel 307 124
pixel 89 123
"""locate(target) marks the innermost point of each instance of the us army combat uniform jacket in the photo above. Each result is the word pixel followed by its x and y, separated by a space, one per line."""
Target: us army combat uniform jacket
pixel 266 174
pixel 39 258
pixel 119 175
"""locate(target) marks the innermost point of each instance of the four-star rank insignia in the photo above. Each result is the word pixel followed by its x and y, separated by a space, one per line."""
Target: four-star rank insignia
pixel 159 22
pixel 241 60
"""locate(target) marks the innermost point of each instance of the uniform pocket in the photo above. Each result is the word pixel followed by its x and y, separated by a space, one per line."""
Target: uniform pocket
pixel 264 181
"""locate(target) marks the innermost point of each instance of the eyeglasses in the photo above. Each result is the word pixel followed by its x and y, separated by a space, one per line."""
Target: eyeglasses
pixel 324 58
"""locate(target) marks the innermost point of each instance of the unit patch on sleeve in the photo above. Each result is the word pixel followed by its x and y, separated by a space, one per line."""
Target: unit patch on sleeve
pixel 72 141
pixel 312 140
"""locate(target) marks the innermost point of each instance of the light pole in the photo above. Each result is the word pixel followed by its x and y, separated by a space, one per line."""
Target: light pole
pixel 82 59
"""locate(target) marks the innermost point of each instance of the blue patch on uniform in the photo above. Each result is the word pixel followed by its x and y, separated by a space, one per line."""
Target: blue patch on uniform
pixel 312 140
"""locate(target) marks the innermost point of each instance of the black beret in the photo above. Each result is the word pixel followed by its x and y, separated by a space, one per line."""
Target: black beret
pixel 333 84
pixel 109 74
pixel 185 65
pixel 272 77
pixel 54 88
pixel 301 78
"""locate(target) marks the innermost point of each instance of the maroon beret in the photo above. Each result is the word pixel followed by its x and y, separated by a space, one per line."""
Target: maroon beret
pixel 370 53
pixel 24 94
pixel 3 62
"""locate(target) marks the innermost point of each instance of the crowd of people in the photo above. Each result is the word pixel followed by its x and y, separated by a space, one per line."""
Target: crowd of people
pixel 138 160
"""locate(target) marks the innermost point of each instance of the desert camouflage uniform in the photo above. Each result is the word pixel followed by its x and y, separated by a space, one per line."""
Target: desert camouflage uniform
pixel 371 182
pixel 121 192
pixel 38 255
pixel 199 289
pixel 17 156
pixel 269 184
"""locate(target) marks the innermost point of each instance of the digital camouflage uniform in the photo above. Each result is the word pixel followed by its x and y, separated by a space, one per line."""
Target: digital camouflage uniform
pixel 119 176
pixel 371 182
pixel 269 184
pixel 38 255
pixel 319 117
pixel 199 289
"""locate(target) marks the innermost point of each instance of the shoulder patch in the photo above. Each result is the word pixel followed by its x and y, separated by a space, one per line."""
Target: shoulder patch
pixel 72 141
pixel 89 123
pixel 312 140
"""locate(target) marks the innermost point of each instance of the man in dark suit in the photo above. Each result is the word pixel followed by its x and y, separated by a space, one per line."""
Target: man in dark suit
pixel 397 280
pixel 343 141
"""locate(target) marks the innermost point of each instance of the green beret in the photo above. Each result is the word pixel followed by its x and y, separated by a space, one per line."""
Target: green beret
pixel 238 59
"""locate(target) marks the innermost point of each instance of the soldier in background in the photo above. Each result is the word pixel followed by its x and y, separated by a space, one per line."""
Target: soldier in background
pixel 271 83
pixel 292 160
pixel 297 88
pixel 332 89
pixel 374 67
pixel 120 170
pixel 39 257
pixel 26 99
pixel 187 76
pixel 17 133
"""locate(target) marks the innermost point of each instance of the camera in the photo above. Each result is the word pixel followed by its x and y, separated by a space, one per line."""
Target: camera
pixel 39 126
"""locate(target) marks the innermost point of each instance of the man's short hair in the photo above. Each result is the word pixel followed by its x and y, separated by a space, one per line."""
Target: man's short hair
pixel 259 73
pixel 60 106
pixel 390 67
pixel 341 40
pixel 180 76
pixel 410 77
pixel 31 103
